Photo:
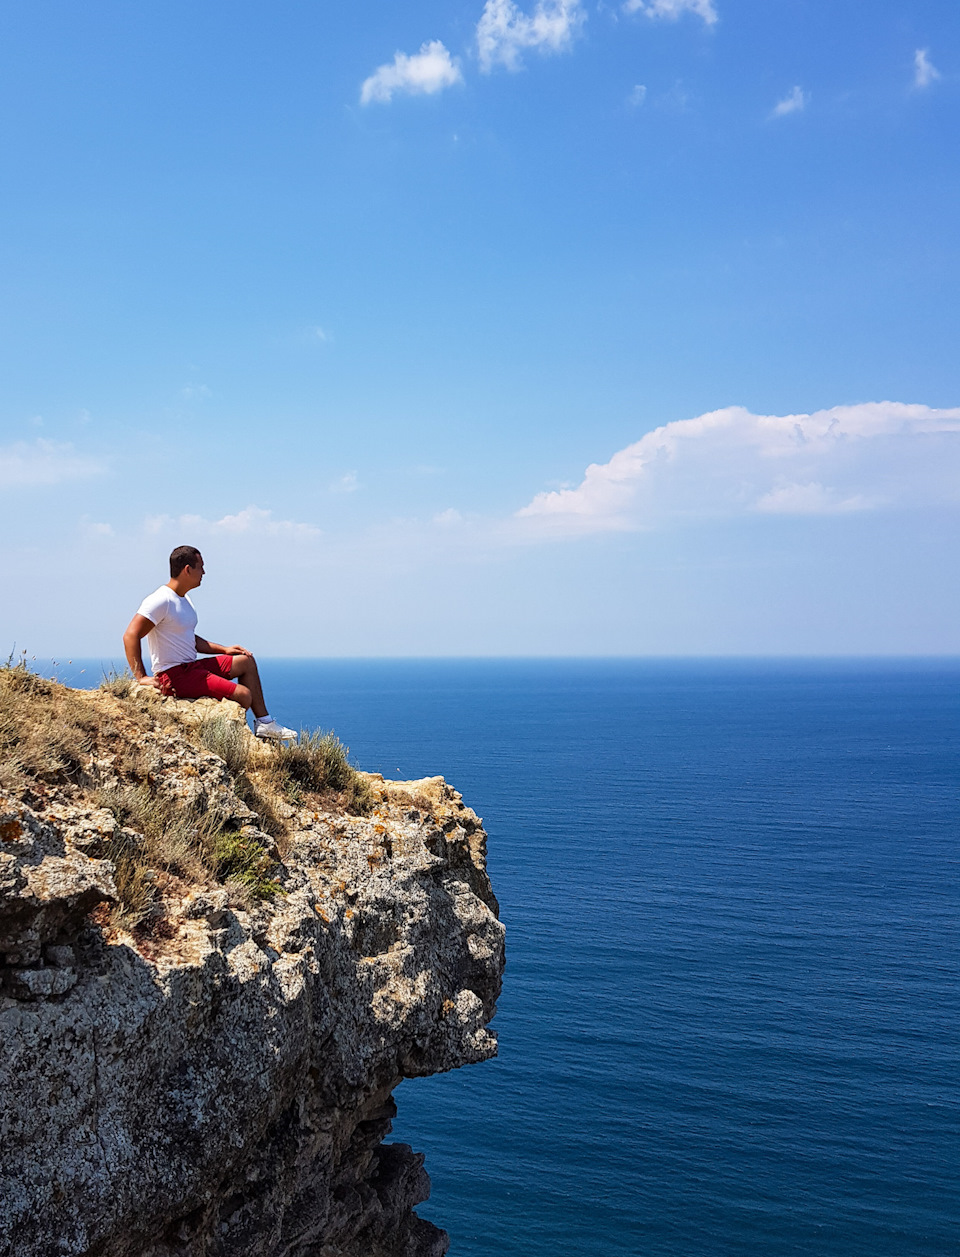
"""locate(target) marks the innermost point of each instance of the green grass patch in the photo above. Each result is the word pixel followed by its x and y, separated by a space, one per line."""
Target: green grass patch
pixel 178 840
pixel 241 858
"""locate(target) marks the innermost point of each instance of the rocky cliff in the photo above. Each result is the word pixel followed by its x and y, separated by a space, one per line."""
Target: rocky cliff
pixel 197 1053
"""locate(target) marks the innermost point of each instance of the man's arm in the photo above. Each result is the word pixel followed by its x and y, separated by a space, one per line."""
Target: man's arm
pixel 137 630
pixel 214 648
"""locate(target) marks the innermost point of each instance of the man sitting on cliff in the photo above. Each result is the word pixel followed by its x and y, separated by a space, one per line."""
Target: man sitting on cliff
pixel 167 619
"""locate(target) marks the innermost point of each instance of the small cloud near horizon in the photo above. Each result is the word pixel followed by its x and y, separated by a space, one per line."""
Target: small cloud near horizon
pixel 27 464
pixel 92 529
pixel 448 517
pixel 924 71
pixel 423 74
pixel 794 102
pixel 347 483
pixel 252 521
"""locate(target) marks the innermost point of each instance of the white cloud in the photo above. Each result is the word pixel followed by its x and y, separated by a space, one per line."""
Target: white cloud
pixel 637 96
pixel 448 518
pixel 347 483
pixel 41 462
pixel 193 391
pixel 504 31
pixel 428 71
pixel 924 71
pixel 92 530
pixel 732 462
pixel 673 9
pixel 252 521
pixel 809 499
pixel 793 102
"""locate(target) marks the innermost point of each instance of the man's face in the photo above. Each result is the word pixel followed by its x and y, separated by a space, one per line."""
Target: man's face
pixel 195 572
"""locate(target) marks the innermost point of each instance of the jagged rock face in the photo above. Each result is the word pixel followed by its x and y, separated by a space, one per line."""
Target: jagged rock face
pixel 225 1090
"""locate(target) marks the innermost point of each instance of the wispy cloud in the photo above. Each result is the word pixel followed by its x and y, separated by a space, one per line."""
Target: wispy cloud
pixel 426 72
pixel 793 102
pixel 673 9
pixel 251 521
pixel 448 518
pixel 730 462
pixel 347 483
pixel 505 32
pixel 637 96
pixel 924 71
pixel 93 530
pixel 27 464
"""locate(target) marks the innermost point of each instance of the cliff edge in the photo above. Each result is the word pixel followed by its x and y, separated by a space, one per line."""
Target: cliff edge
pixel 214 970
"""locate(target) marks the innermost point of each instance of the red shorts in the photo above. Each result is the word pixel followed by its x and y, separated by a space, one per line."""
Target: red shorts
pixel 204 678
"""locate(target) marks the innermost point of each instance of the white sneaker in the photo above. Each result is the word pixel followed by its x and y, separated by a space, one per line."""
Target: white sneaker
pixel 276 731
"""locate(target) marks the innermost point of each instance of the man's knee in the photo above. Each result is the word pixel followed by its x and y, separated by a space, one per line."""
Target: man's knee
pixel 243 666
pixel 242 696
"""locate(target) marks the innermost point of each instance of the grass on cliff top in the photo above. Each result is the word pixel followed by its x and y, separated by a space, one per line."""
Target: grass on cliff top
pixel 46 731
pixel 316 765
pixel 51 735
pixel 116 683
pixel 160 836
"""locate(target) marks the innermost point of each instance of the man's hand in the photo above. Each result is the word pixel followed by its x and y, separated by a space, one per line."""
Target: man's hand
pixel 237 650
pixel 150 682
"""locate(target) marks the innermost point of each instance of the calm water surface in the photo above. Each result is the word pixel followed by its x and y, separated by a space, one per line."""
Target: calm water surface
pixel 729 1022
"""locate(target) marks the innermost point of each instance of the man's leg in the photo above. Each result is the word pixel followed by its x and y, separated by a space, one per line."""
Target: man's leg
pixel 244 670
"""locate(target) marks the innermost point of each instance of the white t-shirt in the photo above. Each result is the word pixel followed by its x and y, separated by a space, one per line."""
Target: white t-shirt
pixel 171 640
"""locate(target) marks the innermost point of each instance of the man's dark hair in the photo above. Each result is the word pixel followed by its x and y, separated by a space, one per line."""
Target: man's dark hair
pixel 183 556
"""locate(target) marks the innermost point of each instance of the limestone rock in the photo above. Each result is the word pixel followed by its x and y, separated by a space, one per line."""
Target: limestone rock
pixel 47 888
pixel 223 1089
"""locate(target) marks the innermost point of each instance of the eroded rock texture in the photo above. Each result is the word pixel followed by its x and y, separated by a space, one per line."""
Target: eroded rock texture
pixel 223 1090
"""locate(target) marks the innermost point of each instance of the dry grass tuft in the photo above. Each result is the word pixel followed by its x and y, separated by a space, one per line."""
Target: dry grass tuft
pixel 318 764
pixel 229 739
pixel 117 683
pixel 46 732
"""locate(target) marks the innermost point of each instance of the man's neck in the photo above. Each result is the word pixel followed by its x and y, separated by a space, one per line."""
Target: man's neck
pixel 180 589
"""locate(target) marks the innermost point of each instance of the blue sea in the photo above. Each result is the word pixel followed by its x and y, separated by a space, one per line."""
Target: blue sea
pixel 729 1022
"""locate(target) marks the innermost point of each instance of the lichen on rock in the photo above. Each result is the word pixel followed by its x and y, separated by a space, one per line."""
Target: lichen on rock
pixel 217 1078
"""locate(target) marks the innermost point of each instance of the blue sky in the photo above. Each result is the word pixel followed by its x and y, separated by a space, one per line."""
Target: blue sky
pixel 353 296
